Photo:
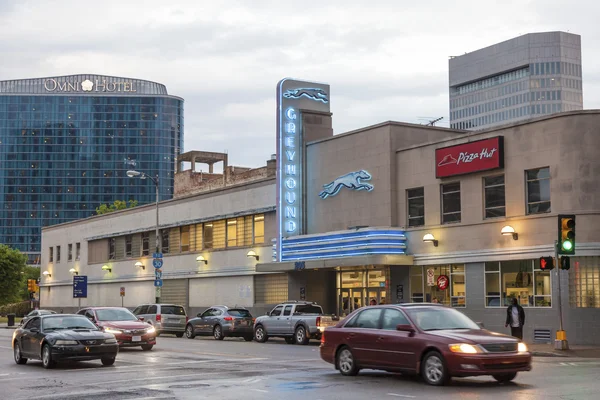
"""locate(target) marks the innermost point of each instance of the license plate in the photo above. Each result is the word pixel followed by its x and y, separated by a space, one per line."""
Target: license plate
pixel 136 339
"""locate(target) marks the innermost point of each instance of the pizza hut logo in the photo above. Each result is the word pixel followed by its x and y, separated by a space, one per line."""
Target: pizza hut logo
pixel 442 282
pixel 480 155
pixel 448 159
pixel 466 157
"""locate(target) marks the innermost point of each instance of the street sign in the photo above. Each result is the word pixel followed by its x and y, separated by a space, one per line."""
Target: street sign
pixel 157 263
pixel 157 255
pixel 158 274
pixel 80 286
pixel 430 277
pixel 122 291
pixel 158 282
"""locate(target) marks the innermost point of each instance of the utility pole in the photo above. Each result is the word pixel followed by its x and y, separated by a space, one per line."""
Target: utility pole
pixel 560 343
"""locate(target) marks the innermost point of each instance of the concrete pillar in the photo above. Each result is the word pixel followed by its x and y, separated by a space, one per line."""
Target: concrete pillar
pixel 210 168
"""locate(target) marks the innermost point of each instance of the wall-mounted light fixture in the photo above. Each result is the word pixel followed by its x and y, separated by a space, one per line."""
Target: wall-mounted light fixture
pixel 106 268
pixel 201 259
pixel 509 231
pixel 47 274
pixel 430 238
pixel 252 253
pixel 141 265
pixel 73 271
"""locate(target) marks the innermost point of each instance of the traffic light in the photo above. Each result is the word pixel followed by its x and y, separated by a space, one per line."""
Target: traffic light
pixel 566 234
pixel 546 263
pixel 565 262
pixel 31 285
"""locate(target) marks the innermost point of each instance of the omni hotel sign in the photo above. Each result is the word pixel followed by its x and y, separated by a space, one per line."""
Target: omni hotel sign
pixel 98 85
pixel 293 97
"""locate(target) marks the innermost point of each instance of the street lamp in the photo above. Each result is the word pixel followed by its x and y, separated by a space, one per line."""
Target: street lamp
pixel 143 175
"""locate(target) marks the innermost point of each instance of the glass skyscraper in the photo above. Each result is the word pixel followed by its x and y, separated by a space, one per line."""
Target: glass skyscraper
pixel 66 144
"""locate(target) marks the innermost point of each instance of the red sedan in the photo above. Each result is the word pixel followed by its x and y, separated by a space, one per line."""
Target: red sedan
pixel 127 328
pixel 434 341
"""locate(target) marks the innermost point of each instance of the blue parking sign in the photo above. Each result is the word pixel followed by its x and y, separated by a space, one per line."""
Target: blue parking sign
pixel 158 282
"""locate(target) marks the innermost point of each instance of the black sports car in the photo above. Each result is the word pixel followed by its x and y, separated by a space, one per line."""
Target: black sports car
pixel 63 337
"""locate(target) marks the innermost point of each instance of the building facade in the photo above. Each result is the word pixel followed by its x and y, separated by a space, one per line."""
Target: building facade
pixel 528 76
pixel 391 213
pixel 66 143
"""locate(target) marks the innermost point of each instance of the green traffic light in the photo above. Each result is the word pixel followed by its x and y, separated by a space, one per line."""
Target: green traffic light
pixel 567 245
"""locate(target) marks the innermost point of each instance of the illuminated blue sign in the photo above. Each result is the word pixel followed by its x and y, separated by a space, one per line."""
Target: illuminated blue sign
pixel 292 97
pixel 352 180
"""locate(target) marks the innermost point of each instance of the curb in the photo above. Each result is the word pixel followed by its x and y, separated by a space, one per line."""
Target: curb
pixel 548 354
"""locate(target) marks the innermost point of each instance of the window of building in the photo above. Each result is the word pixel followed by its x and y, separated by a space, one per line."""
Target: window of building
pixel 51 254
pixel 259 229
pixel 70 252
pixel 219 234
pixel 494 196
pixel 207 236
pixel 538 190
pixel 111 248
pixel 450 202
pixel 184 238
pixel 128 246
pixel 164 237
pixel 416 206
pixel 57 254
pixel 584 282
pixel 232 233
pixel 520 279
pixel 145 244
pixel 77 251
pixel 424 284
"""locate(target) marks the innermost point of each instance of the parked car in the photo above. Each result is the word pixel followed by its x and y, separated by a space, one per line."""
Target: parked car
pixel 166 318
pixel 127 328
pixel 296 321
pixel 35 313
pixel 434 341
pixel 62 337
pixel 221 322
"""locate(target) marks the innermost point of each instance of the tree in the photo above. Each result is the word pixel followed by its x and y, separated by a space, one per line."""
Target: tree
pixel 12 263
pixel 117 205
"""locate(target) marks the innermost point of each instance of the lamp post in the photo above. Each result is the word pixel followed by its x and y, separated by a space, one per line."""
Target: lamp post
pixel 143 175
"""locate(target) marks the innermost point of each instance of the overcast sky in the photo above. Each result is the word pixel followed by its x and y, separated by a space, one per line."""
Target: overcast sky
pixel 384 60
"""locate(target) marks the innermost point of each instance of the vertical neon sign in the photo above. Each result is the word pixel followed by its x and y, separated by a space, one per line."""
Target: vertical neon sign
pixel 292 98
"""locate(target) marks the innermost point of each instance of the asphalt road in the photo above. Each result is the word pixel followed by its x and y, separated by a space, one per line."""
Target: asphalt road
pixel 203 368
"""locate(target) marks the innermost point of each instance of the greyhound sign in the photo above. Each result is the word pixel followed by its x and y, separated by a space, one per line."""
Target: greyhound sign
pixel 352 181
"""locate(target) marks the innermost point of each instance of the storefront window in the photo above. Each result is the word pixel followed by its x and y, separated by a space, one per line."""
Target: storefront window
pixel 584 282
pixel 428 284
pixel 451 203
pixel 521 279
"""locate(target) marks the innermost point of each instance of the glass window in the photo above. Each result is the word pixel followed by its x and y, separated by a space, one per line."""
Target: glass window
pixel 151 309
pixel 184 238
pixel 51 254
pixel 416 206
pixel 424 284
pixel 207 236
pixel 164 237
pixel 259 229
pixel 111 248
pixel 172 310
pixel 70 252
pixel 219 234
pixel 494 196
pixel 450 202
pixel 584 282
pixel 77 251
pixel 538 190
pixel 128 245
pixel 276 311
pixel 145 243
pixel 231 233
pixel 287 310
pixel 367 319
pixel 392 318
pixel 57 254
pixel 520 279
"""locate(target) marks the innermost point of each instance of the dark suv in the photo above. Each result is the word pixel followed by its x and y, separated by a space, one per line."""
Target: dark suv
pixel 221 322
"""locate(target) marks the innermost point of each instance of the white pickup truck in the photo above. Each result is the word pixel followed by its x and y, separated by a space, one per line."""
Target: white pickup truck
pixel 296 321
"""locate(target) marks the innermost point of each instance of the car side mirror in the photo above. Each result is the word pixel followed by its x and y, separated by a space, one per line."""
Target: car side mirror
pixel 34 330
pixel 268 313
pixel 481 325
pixel 199 315
pixel 405 328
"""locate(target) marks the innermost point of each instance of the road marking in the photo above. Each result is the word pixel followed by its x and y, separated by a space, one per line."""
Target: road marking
pixel 401 395
pixel 4 347
pixel 260 390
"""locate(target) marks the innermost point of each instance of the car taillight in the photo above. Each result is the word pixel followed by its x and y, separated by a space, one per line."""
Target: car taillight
pixel 323 338
pixel 158 318
pixel 228 318
pixel 187 319
pixel 318 321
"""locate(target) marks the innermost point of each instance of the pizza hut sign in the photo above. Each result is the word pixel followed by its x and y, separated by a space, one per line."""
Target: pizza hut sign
pixel 466 158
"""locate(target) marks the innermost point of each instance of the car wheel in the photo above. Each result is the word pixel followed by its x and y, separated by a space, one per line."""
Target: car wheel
pixel 344 360
pixel 260 334
pixel 290 340
pixel 179 334
pixel 504 378
pixel 218 332
pixel 433 369
pixel 189 332
pixel 19 359
pixel 108 361
pixel 301 336
pixel 47 357
pixel 147 347
pixel 248 338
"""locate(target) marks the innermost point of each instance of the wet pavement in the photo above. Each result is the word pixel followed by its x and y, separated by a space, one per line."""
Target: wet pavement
pixel 231 369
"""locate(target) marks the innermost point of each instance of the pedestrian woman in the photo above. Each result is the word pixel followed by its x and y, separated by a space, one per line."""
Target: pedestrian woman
pixel 515 317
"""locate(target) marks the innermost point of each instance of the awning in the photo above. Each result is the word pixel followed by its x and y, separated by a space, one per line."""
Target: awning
pixel 375 259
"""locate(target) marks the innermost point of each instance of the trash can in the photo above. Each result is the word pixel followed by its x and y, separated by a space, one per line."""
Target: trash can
pixel 11 319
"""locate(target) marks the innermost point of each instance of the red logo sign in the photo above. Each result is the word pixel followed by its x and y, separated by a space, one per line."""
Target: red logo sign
pixel 443 282
pixel 466 158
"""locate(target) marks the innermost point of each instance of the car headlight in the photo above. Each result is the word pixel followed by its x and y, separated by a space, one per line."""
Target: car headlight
pixel 66 343
pixel 113 331
pixel 463 348
pixel 522 348
pixel 110 341
pixel 150 330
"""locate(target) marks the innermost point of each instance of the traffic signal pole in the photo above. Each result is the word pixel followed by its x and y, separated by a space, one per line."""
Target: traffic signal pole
pixel 560 343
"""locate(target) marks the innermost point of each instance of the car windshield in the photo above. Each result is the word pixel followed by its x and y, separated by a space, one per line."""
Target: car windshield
pixel 67 322
pixel 176 310
pixel 46 312
pixel 240 313
pixel 115 314
pixel 439 318
pixel 308 309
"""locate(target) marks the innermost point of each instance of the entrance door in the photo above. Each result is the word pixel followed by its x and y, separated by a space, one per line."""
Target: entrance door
pixel 377 294
pixel 350 300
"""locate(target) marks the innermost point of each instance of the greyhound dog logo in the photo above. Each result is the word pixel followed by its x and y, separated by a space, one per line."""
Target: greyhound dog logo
pixel 352 180
pixel 311 93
